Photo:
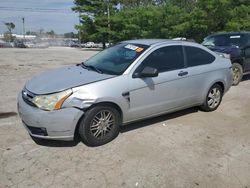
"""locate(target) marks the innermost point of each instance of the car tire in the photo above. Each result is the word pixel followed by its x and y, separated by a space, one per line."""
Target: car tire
pixel 237 73
pixel 100 125
pixel 213 98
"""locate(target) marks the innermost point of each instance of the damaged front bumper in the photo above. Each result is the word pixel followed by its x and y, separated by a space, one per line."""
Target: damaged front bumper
pixel 56 125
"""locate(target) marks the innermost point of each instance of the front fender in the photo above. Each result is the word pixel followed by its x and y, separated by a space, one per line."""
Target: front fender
pixel 84 103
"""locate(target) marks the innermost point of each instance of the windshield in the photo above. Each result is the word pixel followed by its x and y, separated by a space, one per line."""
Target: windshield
pixel 115 60
pixel 224 40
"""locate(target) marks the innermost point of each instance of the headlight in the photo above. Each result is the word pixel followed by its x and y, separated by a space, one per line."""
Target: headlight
pixel 52 101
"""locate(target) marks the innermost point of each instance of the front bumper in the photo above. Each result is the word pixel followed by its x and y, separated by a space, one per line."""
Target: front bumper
pixel 55 125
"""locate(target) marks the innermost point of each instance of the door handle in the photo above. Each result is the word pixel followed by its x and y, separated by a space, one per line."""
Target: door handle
pixel 183 73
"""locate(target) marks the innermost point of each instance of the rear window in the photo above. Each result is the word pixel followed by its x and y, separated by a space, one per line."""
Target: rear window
pixel 197 56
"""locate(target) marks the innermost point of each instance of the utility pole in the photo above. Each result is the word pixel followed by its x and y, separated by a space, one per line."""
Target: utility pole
pixel 23 28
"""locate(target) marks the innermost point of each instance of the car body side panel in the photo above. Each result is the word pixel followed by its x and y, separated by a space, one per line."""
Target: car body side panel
pixel 247 58
pixel 247 53
pixel 110 90
pixel 151 95
pixel 223 76
pixel 154 95
pixel 204 76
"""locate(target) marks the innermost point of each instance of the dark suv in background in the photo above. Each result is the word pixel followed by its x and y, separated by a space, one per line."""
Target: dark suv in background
pixel 237 45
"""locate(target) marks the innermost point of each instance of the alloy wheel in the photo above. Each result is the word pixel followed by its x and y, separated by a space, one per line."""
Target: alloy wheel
pixel 102 124
pixel 214 98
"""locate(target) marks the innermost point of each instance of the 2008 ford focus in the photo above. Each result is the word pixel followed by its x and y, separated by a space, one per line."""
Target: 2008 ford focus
pixel 131 81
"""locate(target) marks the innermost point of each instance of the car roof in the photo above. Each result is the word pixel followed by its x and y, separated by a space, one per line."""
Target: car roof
pixel 151 42
pixel 230 33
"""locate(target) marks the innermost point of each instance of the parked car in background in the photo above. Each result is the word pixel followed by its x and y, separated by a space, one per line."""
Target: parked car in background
pixel 2 43
pixel 108 44
pixel 74 45
pixel 184 39
pixel 237 45
pixel 29 44
pixel 19 44
pixel 130 81
pixel 82 45
pixel 98 45
pixel 89 45
pixel 6 44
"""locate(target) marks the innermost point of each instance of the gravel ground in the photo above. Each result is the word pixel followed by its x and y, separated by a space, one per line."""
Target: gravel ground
pixel 184 149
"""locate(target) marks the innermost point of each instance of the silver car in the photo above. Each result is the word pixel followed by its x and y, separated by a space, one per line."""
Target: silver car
pixel 131 81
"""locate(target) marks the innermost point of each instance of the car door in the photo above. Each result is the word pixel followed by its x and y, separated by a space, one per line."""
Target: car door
pixel 168 91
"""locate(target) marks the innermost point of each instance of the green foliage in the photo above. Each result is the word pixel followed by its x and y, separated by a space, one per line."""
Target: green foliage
pixel 95 19
pixel 31 33
pixel 50 34
pixel 10 26
pixel 128 4
pixel 160 18
pixel 8 37
pixel 70 35
pixel 240 17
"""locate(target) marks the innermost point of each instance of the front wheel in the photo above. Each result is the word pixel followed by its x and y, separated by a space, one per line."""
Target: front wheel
pixel 100 125
pixel 237 73
pixel 213 98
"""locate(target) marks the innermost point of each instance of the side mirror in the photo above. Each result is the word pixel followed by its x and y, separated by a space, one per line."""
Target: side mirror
pixel 147 72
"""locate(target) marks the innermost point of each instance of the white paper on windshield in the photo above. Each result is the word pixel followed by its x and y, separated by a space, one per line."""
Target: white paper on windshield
pixel 235 37
pixel 134 48
pixel 131 47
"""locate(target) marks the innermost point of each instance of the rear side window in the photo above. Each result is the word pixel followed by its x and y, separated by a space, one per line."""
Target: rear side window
pixel 165 59
pixel 197 56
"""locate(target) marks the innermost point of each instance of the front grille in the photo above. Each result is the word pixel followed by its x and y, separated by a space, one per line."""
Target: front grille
pixel 27 97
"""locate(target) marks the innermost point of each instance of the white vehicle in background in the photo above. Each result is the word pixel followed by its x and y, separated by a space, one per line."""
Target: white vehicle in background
pixel 29 44
pixel 90 45
pixel 98 45
pixel 108 44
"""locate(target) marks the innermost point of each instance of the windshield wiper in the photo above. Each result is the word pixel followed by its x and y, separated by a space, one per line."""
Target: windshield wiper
pixel 91 67
pixel 82 65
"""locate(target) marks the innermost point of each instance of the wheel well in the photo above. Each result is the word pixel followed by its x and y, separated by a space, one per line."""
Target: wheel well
pixel 238 61
pixel 221 85
pixel 111 104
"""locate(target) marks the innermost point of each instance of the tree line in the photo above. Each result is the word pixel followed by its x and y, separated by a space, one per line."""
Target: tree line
pixel 118 20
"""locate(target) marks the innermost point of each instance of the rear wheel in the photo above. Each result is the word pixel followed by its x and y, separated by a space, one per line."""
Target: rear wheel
pixel 100 125
pixel 237 73
pixel 213 98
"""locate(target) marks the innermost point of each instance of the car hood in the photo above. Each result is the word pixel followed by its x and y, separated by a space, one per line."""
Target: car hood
pixel 232 50
pixel 62 79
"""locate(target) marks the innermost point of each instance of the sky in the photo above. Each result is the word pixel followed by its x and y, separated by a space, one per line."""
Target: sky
pixel 39 14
